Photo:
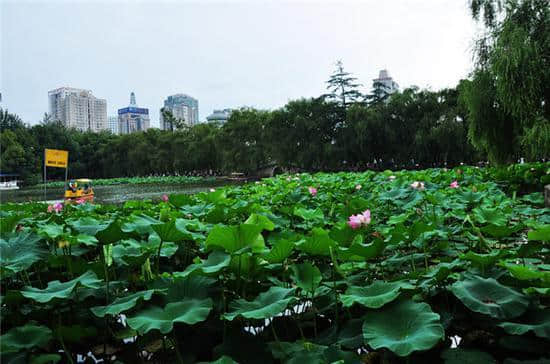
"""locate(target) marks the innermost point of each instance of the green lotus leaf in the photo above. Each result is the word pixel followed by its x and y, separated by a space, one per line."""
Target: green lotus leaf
pixel 51 230
pixel 184 225
pixel 8 223
pixel 542 233
pixel 25 337
pixel 358 251
pixel 489 297
pixel 20 251
pixel 500 231
pixel 536 321
pixel 140 224
pixel 306 276
pixel 56 289
pixel 466 356
pixel 87 240
pixel 260 220
pixel 484 259
pixel 267 304
pixel 526 272
pixel 493 216
pixel 280 251
pixel 536 291
pixel 309 215
pixel 189 311
pixel 88 225
pixel 122 304
pixel 189 287
pixel 374 296
pixel 216 261
pixel 223 360
pixel 168 231
pixel 180 199
pixel 236 238
pixel 319 243
pixel 111 234
pixel 45 359
pixel 403 327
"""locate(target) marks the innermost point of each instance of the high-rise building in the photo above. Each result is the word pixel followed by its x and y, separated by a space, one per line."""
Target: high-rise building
pixel 78 108
pixel 384 85
pixel 182 107
pixel 113 124
pixel 132 118
pixel 219 116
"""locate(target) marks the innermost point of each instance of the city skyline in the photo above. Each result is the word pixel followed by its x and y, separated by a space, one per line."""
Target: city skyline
pixel 231 55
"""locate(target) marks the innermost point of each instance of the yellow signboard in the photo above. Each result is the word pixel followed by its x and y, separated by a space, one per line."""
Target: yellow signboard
pixel 57 158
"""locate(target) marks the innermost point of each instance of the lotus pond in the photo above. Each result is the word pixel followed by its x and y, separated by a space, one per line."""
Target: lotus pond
pixel 419 267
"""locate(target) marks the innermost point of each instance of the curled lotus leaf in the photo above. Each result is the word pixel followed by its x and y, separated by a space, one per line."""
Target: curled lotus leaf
pixel 537 321
pixel 267 304
pixel 489 297
pixel 25 337
pixel 122 304
pixel 374 296
pixel 189 311
pixel 403 327
pixel 56 289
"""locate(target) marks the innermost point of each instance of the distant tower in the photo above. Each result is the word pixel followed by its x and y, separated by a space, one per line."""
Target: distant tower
pixel 132 99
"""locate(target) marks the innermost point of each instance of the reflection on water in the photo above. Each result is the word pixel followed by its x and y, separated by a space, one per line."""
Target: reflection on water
pixel 108 194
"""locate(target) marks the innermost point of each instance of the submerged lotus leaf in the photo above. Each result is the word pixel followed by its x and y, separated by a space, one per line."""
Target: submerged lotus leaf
pixel 189 311
pixel 489 297
pixel 403 327
pixel 536 321
pixel 374 296
pixel 267 304
pixel 20 251
pixel 60 290
pixel 25 337
pixel 122 304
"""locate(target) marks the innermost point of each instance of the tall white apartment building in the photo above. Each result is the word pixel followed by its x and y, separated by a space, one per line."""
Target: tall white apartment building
pixel 384 84
pixel 78 108
pixel 113 124
pixel 182 107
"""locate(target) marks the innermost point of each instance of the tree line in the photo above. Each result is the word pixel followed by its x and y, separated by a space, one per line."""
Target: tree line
pixel 501 113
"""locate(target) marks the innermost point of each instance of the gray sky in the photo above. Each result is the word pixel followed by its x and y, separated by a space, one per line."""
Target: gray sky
pixel 225 53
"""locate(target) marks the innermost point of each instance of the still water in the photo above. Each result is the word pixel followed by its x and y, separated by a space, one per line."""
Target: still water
pixel 109 194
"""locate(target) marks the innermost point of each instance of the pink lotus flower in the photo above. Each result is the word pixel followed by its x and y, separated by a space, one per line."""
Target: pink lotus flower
pixel 454 184
pixel 356 221
pixel 358 187
pixel 417 185
pixel 312 190
pixel 57 207
pixel 165 198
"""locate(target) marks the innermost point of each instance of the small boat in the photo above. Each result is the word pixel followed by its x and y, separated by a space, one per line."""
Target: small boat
pixel 79 190
pixel 8 181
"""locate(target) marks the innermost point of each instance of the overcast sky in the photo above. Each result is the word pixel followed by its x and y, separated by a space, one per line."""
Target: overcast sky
pixel 227 54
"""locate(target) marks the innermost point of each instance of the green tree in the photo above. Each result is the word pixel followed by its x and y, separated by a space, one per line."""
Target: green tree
pixel 343 86
pixel 508 98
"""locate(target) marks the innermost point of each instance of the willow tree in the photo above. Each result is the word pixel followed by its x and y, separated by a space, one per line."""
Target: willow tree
pixel 508 98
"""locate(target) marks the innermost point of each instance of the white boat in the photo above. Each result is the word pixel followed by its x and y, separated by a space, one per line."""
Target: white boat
pixel 8 182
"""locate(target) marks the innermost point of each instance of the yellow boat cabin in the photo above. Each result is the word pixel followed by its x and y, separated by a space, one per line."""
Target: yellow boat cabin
pixel 79 190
